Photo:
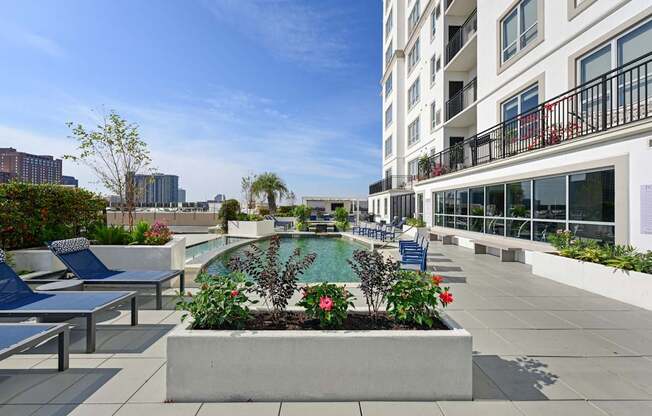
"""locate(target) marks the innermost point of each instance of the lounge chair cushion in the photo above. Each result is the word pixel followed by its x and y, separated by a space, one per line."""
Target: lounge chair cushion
pixel 2 256
pixel 134 276
pixel 11 335
pixel 61 301
pixel 12 287
pixel 71 245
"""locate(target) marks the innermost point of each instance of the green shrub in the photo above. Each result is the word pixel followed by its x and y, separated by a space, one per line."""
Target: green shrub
pixel 31 215
pixel 302 214
pixel 263 211
pixel 228 212
pixel 138 233
pixel 221 302
pixel 112 235
pixel 342 219
pixel 415 222
pixel 327 303
pixel 249 217
pixel 415 298
pixel 285 211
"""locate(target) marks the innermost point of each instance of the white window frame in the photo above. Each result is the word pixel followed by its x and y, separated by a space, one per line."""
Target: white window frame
pixel 413 18
pixel 389 52
pixel 433 116
pixel 388 85
pixel 433 70
pixel 516 9
pixel 433 24
pixel 414 131
pixel 519 99
pixel 414 93
pixel 414 162
pixel 389 149
pixel 389 120
pixel 414 55
pixel 389 23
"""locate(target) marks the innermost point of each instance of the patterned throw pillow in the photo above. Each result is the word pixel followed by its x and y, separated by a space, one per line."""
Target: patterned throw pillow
pixel 69 246
pixel 2 256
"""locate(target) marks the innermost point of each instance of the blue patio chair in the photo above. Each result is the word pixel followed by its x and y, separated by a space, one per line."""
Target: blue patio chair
pixel 415 242
pixel 357 228
pixel 313 217
pixel 76 254
pixel 15 338
pixel 17 300
pixel 416 258
pixel 390 232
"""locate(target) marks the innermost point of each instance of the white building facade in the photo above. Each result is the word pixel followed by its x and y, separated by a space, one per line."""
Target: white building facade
pixel 517 118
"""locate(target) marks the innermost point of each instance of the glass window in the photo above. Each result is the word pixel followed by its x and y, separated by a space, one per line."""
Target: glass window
pixel 413 132
pixel 476 224
pixel 414 93
pixel 518 229
pixel 521 103
pixel 433 23
pixel 413 55
pixel 413 167
pixel 439 220
pixel 433 115
pixel 495 226
pixel 550 198
pixel 476 201
pixel 449 202
pixel 388 146
pixel 388 85
pixel 420 206
pixel 413 18
pixel 389 52
pixel 461 223
pixel 389 23
pixel 433 69
pixel 518 199
pixel 603 233
pixel 635 44
pixel 462 202
pixel 439 203
pixel 388 116
pixel 591 196
pixel 495 201
pixel 519 28
pixel 544 229
pixel 595 64
pixel 449 221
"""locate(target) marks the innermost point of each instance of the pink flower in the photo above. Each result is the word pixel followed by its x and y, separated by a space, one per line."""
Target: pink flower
pixel 446 297
pixel 325 303
pixel 304 292
pixel 234 293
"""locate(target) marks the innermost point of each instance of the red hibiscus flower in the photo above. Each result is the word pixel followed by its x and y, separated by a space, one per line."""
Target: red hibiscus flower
pixel 234 293
pixel 446 297
pixel 436 279
pixel 325 303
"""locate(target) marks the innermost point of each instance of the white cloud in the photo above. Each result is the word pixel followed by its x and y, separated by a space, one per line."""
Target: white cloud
pixel 23 38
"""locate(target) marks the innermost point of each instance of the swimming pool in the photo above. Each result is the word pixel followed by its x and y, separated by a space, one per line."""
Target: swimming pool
pixel 329 266
pixel 201 248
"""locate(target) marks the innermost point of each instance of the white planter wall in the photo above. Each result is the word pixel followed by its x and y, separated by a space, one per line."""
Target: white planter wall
pixel 166 257
pixel 205 365
pixel 251 228
pixel 410 232
pixel 626 286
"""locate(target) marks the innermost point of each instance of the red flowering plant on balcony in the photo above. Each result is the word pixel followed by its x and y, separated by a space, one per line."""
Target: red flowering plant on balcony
pixel 158 234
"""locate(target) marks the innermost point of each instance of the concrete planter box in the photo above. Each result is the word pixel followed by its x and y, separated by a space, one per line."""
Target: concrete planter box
pixel 166 257
pixel 251 228
pixel 626 286
pixel 223 366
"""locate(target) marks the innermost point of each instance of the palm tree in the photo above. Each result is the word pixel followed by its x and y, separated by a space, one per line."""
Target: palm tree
pixel 270 185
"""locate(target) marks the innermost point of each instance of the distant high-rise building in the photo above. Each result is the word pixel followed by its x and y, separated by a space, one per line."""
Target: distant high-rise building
pixel 69 181
pixel 157 189
pixel 219 198
pixel 182 195
pixel 6 177
pixel 26 167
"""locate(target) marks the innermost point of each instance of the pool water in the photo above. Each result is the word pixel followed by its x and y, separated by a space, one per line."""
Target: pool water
pixel 201 248
pixel 329 266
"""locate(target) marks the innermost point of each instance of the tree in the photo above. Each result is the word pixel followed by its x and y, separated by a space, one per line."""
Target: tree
pixel 291 198
pixel 245 184
pixel 271 186
pixel 116 153
pixel 228 212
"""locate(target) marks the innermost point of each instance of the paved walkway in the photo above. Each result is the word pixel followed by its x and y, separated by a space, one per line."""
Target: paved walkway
pixel 541 348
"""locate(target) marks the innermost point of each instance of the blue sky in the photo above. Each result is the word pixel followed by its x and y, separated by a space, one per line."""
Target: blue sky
pixel 219 88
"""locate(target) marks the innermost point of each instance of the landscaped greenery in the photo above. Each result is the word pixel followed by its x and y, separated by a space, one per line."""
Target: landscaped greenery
pixel 248 217
pixel 31 215
pixel 302 214
pixel 271 186
pixel 229 211
pixel 411 299
pixel 157 234
pixel 621 257
pixel 342 219
pixel 285 210
pixel 415 222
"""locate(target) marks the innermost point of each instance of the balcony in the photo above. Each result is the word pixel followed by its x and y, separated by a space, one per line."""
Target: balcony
pixel 391 183
pixel 614 99
pixel 459 7
pixel 459 41
pixel 460 102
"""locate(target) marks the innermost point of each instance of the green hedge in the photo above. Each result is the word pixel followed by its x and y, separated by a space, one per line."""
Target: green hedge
pixel 31 214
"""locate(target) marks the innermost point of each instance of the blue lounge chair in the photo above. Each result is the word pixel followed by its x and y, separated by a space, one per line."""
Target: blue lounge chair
pixel 404 244
pixel 80 260
pixel 15 338
pixel 19 300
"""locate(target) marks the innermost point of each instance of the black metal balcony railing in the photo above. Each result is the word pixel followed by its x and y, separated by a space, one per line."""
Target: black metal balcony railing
pixel 462 99
pixel 463 34
pixel 392 182
pixel 616 98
